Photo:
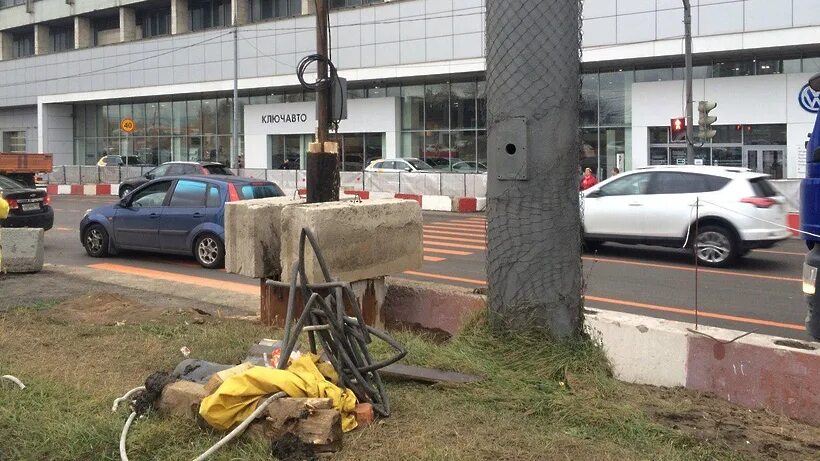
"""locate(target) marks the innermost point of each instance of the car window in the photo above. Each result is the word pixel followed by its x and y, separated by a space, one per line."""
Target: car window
pixel 151 196
pixel 419 165
pixel 762 187
pixel 217 169
pixel 176 170
pixel 259 190
pixel 685 183
pixel 9 184
pixel 634 184
pixel 191 169
pixel 214 199
pixel 188 194
pixel 161 170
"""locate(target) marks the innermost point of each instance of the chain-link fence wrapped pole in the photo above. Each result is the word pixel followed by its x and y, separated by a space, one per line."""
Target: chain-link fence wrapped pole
pixel 533 91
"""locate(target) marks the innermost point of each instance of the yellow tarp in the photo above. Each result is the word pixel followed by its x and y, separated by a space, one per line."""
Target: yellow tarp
pixel 4 208
pixel 239 395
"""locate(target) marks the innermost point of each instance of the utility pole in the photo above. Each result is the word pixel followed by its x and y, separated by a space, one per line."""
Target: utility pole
pixel 533 218
pixel 235 131
pixel 687 32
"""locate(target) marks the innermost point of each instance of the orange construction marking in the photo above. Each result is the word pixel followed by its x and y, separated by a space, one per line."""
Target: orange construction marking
pixel 453 245
pixel 441 232
pixel 460 230
pixel 692 269
pixel 179 278
pixel 433 259
pixel 790 253
pixel 678 310
pixel 442 251
pixel 445 277
pixel 462 225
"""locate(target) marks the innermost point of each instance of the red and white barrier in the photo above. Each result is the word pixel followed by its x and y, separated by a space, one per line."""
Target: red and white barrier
pixel 83 189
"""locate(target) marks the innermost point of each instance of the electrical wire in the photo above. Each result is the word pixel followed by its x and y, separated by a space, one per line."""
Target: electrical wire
pixel 124 434
pixel 125 397
pixel 14 380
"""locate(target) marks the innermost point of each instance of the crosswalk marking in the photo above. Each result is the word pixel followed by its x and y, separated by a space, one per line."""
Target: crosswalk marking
pixel 452 245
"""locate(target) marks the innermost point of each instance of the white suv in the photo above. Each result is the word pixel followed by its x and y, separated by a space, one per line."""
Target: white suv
pixel 656 206
pixel 398 165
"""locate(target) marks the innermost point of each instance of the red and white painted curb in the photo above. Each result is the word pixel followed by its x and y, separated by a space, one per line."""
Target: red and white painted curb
pixel 427 202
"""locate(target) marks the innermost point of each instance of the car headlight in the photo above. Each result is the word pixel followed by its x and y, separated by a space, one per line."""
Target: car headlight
pixel 809 279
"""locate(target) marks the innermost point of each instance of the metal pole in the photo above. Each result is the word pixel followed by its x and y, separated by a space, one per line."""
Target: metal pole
pixel 235 130
pixel 690 136
pixel 322 114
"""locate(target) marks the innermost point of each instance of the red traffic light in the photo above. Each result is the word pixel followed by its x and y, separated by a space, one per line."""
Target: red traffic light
pixel 678 124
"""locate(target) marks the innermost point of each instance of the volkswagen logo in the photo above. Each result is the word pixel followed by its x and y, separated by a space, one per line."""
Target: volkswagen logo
pixel 809 99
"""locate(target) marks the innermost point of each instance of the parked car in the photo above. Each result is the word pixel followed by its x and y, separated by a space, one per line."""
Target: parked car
pixel 656 206
pixel 174 215
pixel 173 169
pixel 28 207
pixel 398 165
pixel 469 167
pixel 119 160
pixel 439 163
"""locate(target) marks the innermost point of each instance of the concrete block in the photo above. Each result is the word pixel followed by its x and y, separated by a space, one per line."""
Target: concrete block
pixel 21 250
pixel 429 305
pixel 359 241
pixel 642 350
pixel 252 236
pixel 181 399
pixel 436 203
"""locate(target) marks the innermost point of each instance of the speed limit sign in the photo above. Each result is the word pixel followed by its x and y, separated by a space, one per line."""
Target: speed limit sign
pixel 127 125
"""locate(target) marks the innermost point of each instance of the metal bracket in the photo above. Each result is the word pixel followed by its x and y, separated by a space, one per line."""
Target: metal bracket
pixel 510 149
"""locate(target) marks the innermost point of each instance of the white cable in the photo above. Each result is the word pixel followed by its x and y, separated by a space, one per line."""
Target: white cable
pixel 238 430
pixel 126 397
pixel 123 454
pixel 14 380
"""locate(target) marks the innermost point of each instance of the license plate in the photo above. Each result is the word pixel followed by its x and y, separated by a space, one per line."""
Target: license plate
pixel 30 206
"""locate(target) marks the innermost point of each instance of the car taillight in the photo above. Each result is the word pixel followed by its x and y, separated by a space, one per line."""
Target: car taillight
pixel 12 203
pixel 760 202
pixel 233 195
pixel 47 200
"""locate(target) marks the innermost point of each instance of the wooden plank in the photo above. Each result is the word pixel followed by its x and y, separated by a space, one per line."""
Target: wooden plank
pixel 427 375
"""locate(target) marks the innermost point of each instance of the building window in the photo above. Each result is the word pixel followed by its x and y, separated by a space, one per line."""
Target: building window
pixel 14 141
pixel 61 38
pixel 22 44
pixel 267 9
pixel 347 3
pixel 10 3
pixel 155 22
pixel 206 14
pixel 106 30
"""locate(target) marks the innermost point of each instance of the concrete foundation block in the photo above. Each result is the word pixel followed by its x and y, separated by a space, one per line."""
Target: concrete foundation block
pixel 358 240
pixel 21 250
pixel 252 236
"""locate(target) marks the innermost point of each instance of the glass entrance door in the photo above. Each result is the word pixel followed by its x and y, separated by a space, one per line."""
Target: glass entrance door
pixel 765 159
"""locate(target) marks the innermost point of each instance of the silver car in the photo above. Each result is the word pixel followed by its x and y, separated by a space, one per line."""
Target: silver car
pixel 398 165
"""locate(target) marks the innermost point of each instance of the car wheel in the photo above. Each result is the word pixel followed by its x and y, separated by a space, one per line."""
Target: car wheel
pixel 209 251
pixel 95 241
pixel 716 246
pixel 124 191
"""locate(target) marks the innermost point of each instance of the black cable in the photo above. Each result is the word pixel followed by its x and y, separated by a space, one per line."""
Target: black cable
pixel 321 83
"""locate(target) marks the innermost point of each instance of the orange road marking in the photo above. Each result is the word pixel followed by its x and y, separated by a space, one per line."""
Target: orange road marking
pixel 442 251
pixel 653 307
pixel 791 253
pixel 460 230
pixel 453 245
pixel 455 239
pixel 445 277
pixel 678 310
pixel 64 229
pixel 433 259
pixel 179 278
pixel 476 218
pixel 692 269
pixel 441 232
pixel 461 225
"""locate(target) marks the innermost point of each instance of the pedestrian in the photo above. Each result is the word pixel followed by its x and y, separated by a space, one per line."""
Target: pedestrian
pixel 615 171
pixel 588 180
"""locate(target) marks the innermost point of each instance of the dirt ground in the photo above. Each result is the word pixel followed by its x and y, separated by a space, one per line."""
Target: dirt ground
pixel 751 434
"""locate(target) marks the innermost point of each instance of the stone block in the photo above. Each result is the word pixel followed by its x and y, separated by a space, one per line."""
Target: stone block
pixel 220 377
pixel 359 241
pixel 364 415
pixel 21 250
pixel 181 399
pixel 252 236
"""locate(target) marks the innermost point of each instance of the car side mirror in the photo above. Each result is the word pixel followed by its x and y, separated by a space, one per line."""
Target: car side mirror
pixel 814 82
pixel 408 169
pixel 149 176
pixel 124 202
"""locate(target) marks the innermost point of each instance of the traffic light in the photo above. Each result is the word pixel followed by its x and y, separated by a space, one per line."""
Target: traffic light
pixel 705 121
pixel 677 128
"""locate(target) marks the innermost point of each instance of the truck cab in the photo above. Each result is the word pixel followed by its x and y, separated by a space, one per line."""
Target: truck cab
pixel 810 223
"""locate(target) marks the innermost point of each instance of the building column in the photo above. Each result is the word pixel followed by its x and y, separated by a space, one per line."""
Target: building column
pixel 42 44
pixel 239 12
pixel 5 45
pixel 308 7
pixel 180 17
pixel 82 32
pixel 128 24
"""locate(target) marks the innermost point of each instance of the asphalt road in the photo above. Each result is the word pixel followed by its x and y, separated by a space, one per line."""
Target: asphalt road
pixel 761 294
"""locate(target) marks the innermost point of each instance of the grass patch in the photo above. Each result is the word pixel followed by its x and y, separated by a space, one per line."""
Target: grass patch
pixel 538 399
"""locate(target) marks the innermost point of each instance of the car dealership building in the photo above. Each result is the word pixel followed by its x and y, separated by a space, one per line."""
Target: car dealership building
pixel 72 71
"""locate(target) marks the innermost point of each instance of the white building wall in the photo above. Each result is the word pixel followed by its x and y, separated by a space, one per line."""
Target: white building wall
pixel 21 119
pixel 767 99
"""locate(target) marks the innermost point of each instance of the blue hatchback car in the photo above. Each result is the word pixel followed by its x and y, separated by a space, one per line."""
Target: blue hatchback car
pixel 174 215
